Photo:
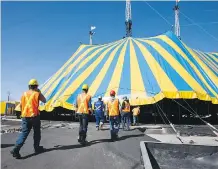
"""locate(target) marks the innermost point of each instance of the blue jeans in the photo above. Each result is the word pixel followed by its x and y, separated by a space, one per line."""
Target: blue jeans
pixel 99 117
pixel 27 125
pixel 135 120
pixel 83 121
pixel 125 119
pixel 114 125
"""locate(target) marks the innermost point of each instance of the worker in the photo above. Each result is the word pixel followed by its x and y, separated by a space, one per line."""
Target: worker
pixel 136 112
pixel 125 114
pixel 99 113
pixel 30 118
pixel 83 109
pixel 113 107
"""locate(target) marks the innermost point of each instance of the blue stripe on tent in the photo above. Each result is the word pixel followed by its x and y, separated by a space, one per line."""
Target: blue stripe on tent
pixel 125 83
pixel 66 67
pixel 178 81
pixel 211 60
pixel 183 62
pixel 206 63
pixel 72 78
pixel 151 85
pixel 55 90
pixel 91 78
pixel 107 78
pixel 204 74
pixel 68 75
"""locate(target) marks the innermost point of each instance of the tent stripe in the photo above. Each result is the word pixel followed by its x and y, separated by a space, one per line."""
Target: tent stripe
pixel 80 79
pixel 106 79
pixel 99 78
pixel 198 74
pixel 137 85
pixel 150 82
pixel 163 80
pixel 70 70
pixel 93 74
pixel 115 79
pixel 177 67
pixel 211 66
pixel 62 69
pixel 75 74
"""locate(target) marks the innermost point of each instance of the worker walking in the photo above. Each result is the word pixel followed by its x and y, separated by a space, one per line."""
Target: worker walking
pixel 113 112
pixel 99 113
pixel 30 118
pixel 125 114
pixel 136 112
pixel 84 108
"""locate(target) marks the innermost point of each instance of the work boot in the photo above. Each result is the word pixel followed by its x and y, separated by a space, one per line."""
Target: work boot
pixel 101 125
pixel 79 139
pixel 39 149
pixel 15 154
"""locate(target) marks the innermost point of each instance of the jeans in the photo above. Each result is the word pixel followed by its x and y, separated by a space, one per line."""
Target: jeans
pixel 83 121
pixel 27 125
pixel 125 119
pixel 99 117
pixel 135 120
pixel 114 125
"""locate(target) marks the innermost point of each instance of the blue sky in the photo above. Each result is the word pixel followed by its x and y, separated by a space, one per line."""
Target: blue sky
pixel 39 37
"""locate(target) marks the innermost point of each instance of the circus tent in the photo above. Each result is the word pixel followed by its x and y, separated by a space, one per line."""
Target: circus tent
pixel 146 70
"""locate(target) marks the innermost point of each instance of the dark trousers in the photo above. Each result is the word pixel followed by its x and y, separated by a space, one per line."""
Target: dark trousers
pixel 114 125
pixel 125 119
pixel 27 125
pixel 83 121
pixel 99 117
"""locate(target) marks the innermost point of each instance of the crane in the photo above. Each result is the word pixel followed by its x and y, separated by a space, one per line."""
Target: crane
pixel 177 26
pixel 128 21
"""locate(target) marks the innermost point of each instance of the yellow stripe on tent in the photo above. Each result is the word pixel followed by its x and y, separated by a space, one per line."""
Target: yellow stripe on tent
pixel 177 67
pixel 96 83
pixel 115 79
pixel 81 78
pixel 61 69
pixel 163 80
pixel 137 84
pixel 179 51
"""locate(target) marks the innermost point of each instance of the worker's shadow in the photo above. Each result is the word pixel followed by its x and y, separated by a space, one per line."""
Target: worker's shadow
pixel 69 147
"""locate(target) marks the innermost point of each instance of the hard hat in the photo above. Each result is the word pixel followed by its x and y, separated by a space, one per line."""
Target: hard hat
pixel 100 97
pixel 33 82
pixel 112 93
pixel 85 87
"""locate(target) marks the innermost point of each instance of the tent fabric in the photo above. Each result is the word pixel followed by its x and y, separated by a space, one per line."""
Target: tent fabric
pixel 145 70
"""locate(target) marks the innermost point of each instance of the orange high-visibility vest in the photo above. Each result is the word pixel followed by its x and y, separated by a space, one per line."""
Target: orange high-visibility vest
pixel 113 107
pixel 136 111
pixel 127 107
pixel 83 103
pixel 30 104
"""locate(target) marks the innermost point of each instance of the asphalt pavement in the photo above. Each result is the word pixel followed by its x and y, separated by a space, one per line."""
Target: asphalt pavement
pixel 63 150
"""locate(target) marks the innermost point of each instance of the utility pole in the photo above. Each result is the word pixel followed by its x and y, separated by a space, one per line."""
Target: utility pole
pixel 177 25
pixel 9 93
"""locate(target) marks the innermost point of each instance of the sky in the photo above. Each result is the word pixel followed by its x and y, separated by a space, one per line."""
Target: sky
pixel 39 37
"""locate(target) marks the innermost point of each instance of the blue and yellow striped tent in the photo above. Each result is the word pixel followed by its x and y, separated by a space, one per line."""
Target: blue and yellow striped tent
pixel 145 70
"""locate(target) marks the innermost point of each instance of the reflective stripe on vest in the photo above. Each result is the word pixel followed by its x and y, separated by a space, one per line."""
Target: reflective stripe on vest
pixel 28 106
pixel 98 108
pixel 127 107
pixel 113 109
pixel 82 104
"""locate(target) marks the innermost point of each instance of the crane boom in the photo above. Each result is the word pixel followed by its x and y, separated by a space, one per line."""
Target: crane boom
pixel 128 21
